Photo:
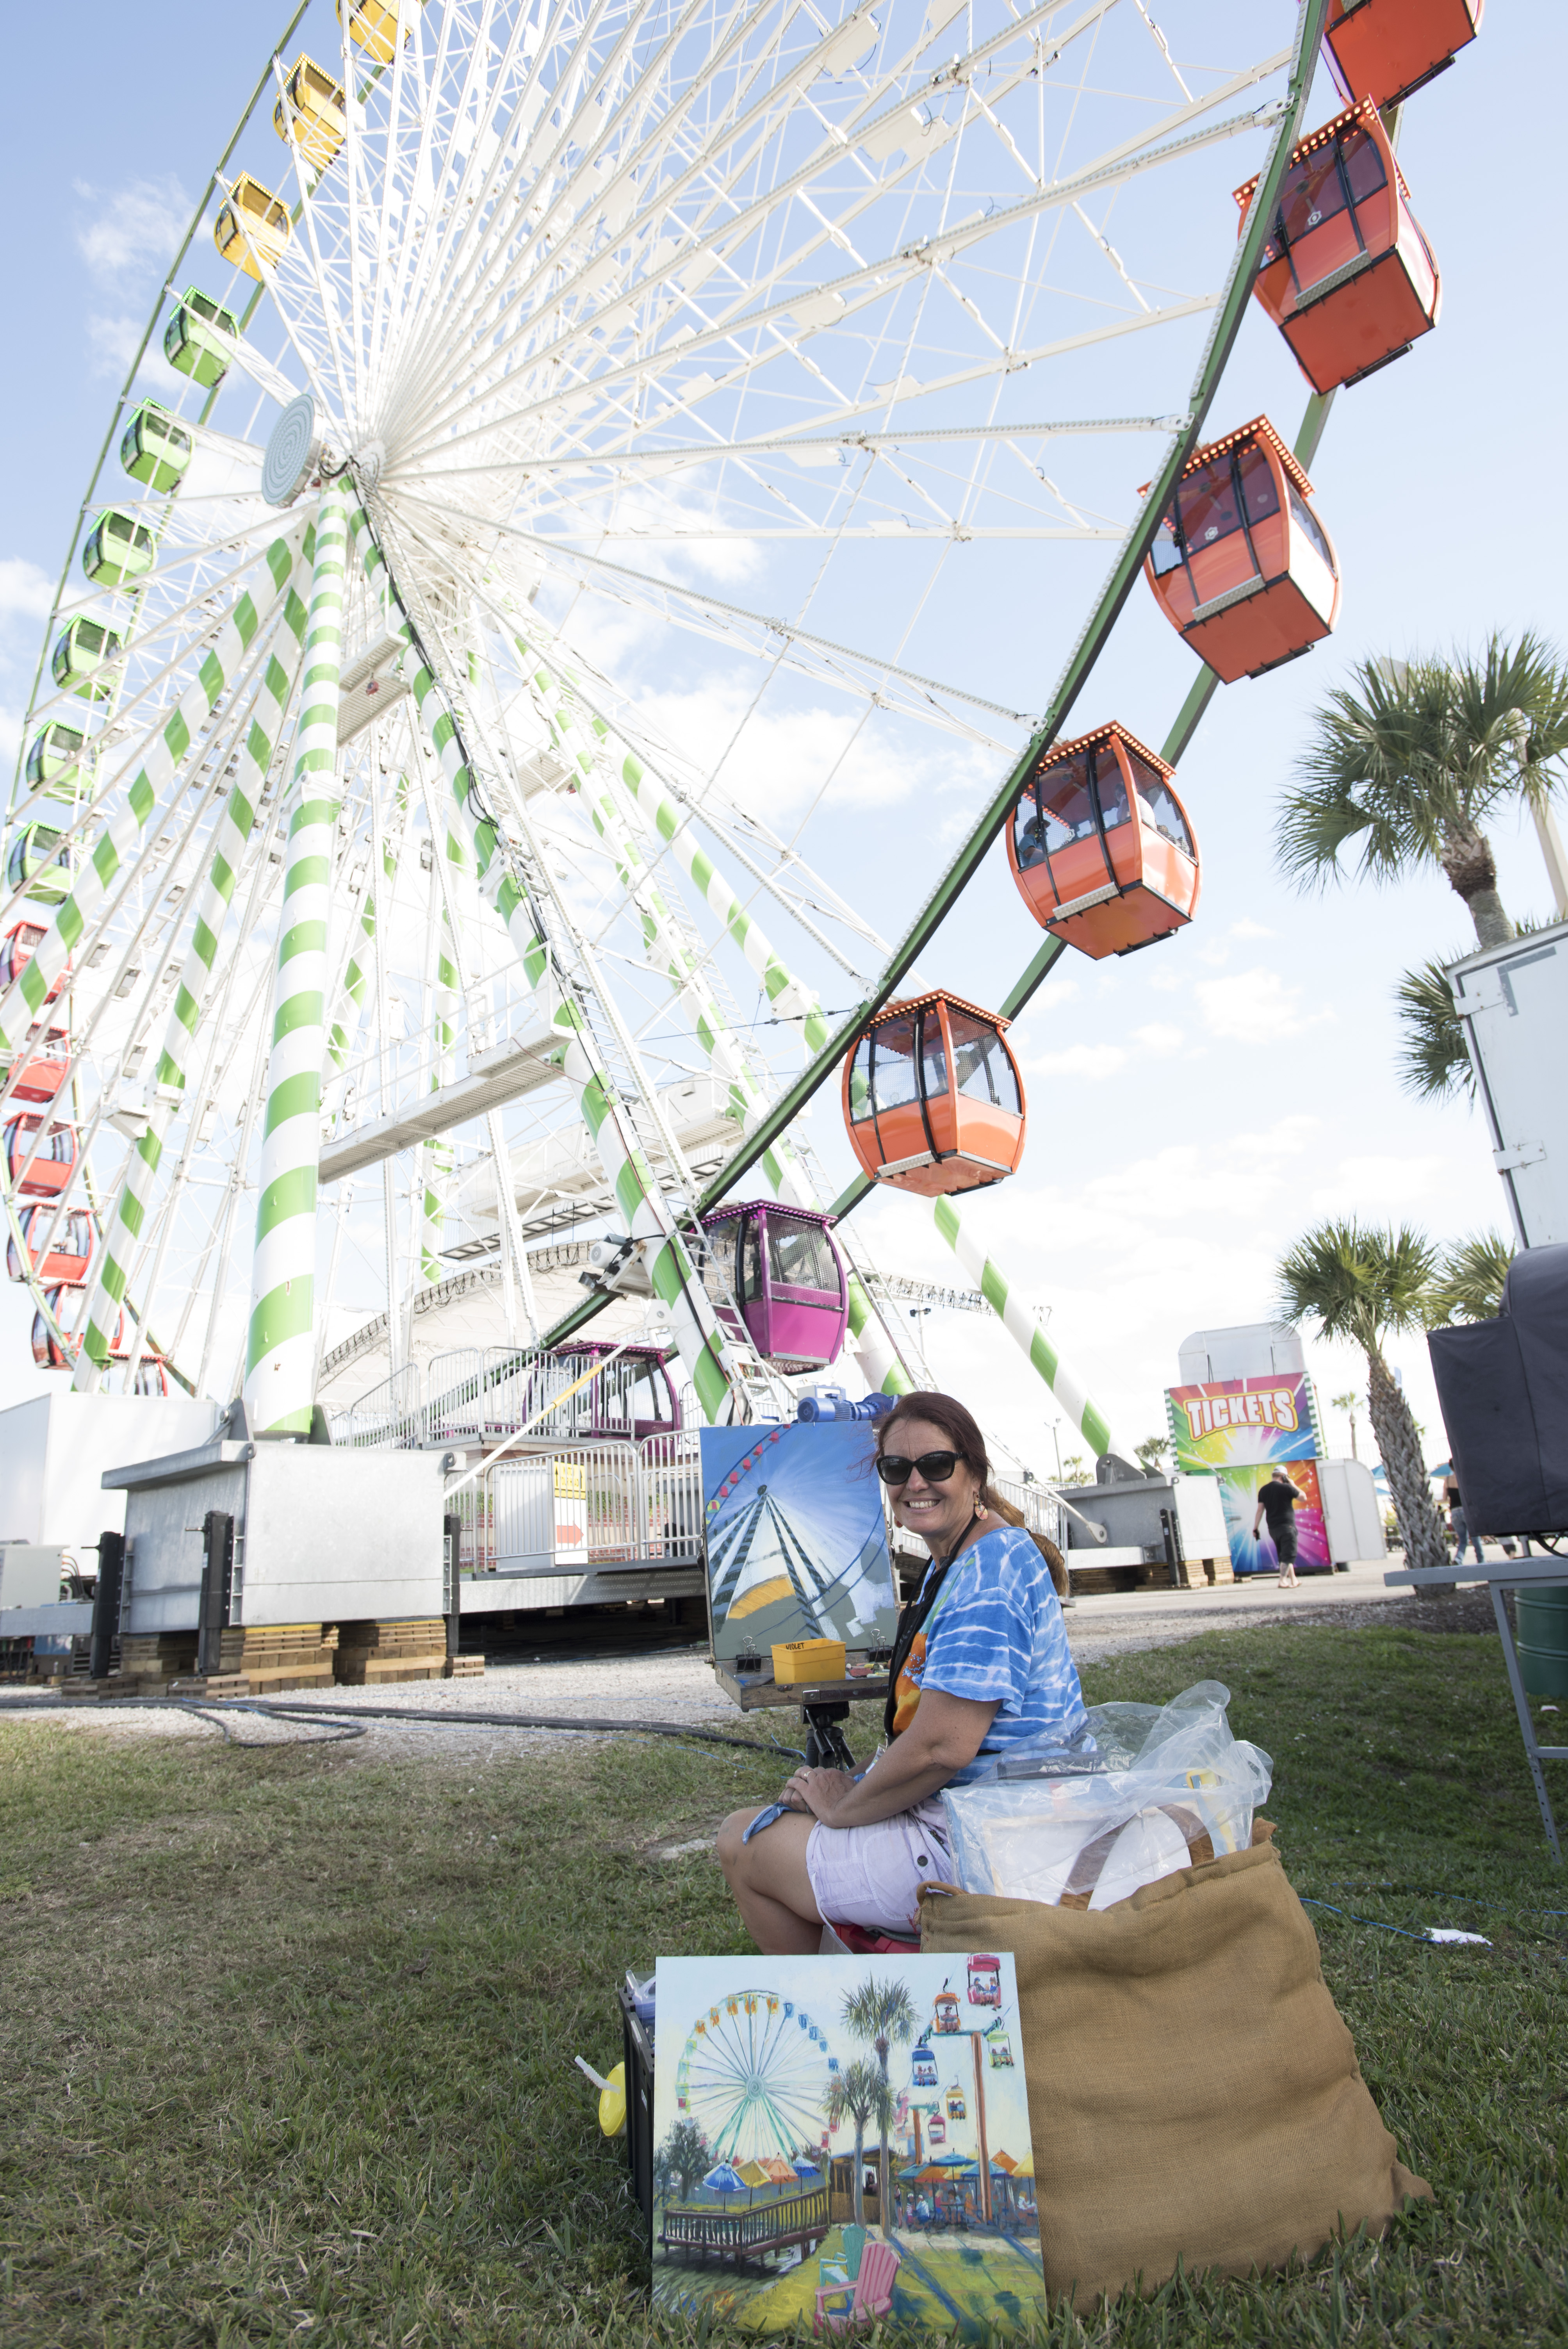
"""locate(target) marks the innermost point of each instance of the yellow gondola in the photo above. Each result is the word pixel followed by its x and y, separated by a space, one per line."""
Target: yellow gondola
pixel 957 2110
pixel 373 26
pixel 253 228
pixel 310 114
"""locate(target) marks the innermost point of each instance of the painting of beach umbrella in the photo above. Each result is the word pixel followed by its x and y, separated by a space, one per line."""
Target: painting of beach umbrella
pixel 725 2179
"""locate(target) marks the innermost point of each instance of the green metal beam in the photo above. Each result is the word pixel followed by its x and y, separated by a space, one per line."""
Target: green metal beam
pixel 1124 572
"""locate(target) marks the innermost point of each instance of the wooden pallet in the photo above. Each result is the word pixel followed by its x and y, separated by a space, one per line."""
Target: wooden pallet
pixel 464 1668
pixel 372 1655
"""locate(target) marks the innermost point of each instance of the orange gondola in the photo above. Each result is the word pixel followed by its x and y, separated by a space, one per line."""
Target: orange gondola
pixel 933 1099
pixel 17 948
pixel 41 1078
pixel 1384 50
pixel 54 1161
pixel 65 1261
pixel 1346 275
pixel 1100 846
pixel 1241 565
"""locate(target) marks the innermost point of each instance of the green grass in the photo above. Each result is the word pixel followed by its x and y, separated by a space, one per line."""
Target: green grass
pixel 287 2033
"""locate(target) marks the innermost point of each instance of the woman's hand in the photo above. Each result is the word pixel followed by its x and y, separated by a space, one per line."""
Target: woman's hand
pixel 820 1793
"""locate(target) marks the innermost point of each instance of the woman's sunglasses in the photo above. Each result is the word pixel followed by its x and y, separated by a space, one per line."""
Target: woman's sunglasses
pixel 936 1467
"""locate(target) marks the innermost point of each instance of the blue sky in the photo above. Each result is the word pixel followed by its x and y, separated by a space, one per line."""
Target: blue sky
pixel 1191 1109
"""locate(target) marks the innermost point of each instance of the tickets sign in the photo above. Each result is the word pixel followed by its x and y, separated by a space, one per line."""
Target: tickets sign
pixel 1242 1423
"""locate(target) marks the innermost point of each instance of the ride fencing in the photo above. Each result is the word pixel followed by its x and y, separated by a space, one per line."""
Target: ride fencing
pixel 578 1507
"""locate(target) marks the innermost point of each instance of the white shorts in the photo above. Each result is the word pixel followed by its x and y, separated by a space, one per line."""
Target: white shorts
pixel 871 1876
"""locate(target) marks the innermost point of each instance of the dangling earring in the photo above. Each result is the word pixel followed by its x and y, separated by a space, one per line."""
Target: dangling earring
pixel 980 1510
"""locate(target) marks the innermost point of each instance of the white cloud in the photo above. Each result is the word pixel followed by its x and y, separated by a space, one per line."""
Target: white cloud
pixel 1255 1007
pixel 1378 1189
pixel 1159 1037
pixel 1093 1061
pixel 1247 928
pixel 132 230
pixel 24 592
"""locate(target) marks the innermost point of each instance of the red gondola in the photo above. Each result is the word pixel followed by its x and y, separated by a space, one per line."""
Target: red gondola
pixel 53 1167
pixel 1384 50
pixel 1241 566
pixel 1346 275
pixel 1100 846
pixel 933 1099
pixel 17 948
pixel 151 1377
pixel 41 1080
pixel 46 1353
pixel 67 1261
pixel 787 1277
pixel 985 1981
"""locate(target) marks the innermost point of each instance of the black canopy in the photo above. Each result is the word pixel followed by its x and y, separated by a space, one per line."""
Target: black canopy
pixel 1503 1388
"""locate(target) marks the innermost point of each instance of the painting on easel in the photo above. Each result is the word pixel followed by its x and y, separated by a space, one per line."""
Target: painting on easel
pixel 839 2140
pixel 796 1540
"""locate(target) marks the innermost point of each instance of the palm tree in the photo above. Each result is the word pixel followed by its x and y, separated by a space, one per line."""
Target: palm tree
pixel 1468 1286
pixel 882 2012
pixel 1434 1062
pixel 1413 756
pixel 860 2091
pixel 1361 1285
pixel 1349 1404
pixel 1150 1453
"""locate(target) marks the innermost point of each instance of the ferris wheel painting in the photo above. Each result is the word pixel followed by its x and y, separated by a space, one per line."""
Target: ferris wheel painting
pixel 535 376
pixel 797 1542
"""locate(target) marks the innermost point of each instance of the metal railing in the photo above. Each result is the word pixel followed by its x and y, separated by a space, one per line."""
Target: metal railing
pixel 577 1507
pixel 475 1394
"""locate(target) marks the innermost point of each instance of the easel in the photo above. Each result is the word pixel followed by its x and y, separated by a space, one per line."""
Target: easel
pixel 1507 1574
pixel 823 1707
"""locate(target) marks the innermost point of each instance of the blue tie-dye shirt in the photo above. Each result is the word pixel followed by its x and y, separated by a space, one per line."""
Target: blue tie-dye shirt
pixel 998 1636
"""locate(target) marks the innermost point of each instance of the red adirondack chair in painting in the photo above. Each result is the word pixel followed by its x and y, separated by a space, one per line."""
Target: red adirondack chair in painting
pixel 870 2296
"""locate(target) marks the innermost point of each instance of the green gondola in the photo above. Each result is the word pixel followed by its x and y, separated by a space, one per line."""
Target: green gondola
pixel 37 861
pixel 82 652
pixel 55 756
pixel 118 549
pixel 201 338
pixel 156 447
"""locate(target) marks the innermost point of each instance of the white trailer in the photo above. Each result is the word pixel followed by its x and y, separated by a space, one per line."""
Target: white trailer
pixel 1513 1002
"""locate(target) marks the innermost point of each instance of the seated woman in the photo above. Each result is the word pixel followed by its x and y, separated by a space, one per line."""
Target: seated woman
pixel 981 1668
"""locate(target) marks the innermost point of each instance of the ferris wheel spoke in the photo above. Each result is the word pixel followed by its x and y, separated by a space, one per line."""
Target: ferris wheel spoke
pixel 834 303
pixel 233 859
pixel 26 995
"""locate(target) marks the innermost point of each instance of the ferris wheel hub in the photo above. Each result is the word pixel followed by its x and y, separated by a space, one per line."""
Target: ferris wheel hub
pixel 293 452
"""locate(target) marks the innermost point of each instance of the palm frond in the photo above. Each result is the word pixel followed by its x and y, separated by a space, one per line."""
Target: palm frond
pixel 1433 1061
pixel 1469 1286
pixel 1356 1281
pixel 1408 754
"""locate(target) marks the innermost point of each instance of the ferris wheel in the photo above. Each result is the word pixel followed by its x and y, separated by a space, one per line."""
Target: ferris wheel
pixel 371 909
pixel 756 2075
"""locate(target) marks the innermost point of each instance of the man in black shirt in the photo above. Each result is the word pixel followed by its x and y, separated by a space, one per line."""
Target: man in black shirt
pixel 1278 1500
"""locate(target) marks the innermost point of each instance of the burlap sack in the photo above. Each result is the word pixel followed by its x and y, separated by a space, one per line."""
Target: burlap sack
pixel 1193 2092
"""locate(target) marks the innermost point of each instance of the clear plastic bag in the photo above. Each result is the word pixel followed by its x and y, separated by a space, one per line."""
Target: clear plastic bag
pixel 1150 1789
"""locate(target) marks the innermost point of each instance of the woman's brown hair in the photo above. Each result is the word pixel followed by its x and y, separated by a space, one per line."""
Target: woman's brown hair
pixel 962 1430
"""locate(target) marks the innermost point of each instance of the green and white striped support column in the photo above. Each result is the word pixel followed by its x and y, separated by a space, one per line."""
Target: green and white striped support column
pixel 25 1000
pixel 437 1155
pixel 786 1177
pixel 703 1345
pixel 790 995
pixel 361 962
pixel 1021 1326
pixel 123 1224
pixel 280 1357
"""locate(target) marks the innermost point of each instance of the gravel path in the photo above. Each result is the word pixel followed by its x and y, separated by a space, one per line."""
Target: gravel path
pixel 678 1685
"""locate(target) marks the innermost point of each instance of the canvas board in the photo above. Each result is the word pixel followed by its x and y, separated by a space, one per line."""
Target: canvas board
pixel 756 2207
pixel 795 1542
